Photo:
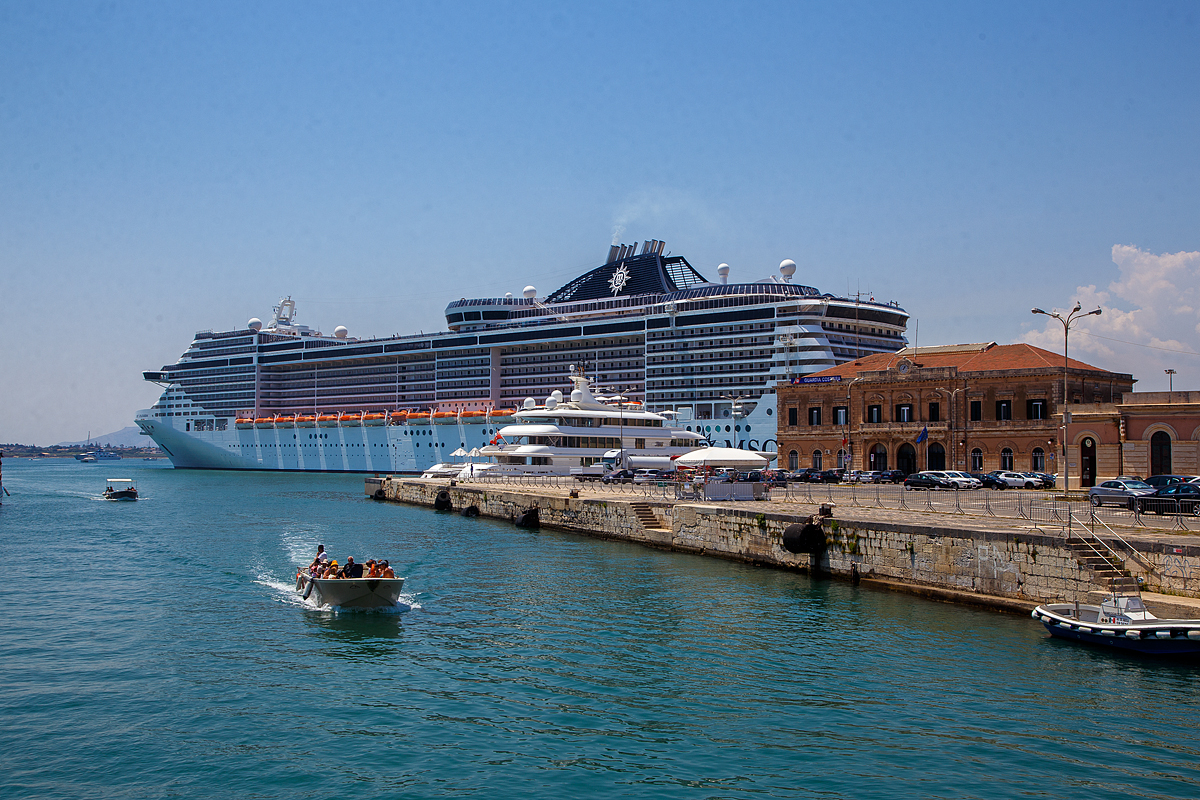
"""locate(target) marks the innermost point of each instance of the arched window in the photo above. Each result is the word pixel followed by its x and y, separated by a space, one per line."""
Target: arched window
pixel 793 461
pixel 1006 459
pixel 816 459
pixel 843 459
pixel 976 460
pixel 935 456
pixel 1160 453
pixel 1038 460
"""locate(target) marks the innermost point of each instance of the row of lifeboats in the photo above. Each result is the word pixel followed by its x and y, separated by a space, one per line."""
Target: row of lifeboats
pixel 369 419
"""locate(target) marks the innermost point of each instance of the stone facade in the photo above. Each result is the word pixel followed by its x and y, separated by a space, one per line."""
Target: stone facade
pixel 975 408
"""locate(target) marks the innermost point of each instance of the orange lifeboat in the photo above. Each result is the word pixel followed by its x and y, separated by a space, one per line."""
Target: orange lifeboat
pixel 243 423
pixel 444 417
pixel 374 419
pixel 473 415
pixel 503 412
pixel 327 421
pixel 418 418
pixel 264 422
pixel 397 417
pixel 306 421
pixel 350 420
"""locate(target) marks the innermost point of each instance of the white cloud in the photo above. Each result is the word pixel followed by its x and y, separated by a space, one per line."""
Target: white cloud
pixel 1149 316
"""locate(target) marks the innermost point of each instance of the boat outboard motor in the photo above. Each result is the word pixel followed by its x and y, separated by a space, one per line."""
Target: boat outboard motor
pixel 442 501
pixel 308 589
pixel 470 511
pixel 806 538
pixel 527 519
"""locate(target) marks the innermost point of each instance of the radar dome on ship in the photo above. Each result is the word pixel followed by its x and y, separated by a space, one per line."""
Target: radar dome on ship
pixel 530 403
pixel 341 331
pixel 255 324
pixel 530 292
pixel 723 272
pixel 787 268
pixel 557 395
pixel 576 395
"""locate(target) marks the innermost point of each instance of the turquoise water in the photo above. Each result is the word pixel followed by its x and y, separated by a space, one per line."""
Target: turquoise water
pixel 154 649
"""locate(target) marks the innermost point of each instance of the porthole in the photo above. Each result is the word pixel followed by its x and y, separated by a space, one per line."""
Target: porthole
pixel 747 429
pixel 770 411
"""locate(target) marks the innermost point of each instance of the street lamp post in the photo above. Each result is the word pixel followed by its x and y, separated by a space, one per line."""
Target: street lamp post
pixel 1070 319
pixel 953 427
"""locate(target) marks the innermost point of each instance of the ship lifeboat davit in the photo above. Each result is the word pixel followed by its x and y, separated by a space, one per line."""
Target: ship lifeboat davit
pixel 351 420
pixel 243 423
pixel 327 421
pixel 303 421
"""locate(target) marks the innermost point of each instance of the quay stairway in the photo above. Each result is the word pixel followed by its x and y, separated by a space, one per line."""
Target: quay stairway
pixel 646 516
pixel 1109 570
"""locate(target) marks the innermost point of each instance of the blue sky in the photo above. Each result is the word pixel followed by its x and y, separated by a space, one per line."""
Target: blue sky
pixel 171 167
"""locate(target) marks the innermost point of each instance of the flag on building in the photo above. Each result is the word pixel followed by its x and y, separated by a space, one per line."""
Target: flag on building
pixel 923 435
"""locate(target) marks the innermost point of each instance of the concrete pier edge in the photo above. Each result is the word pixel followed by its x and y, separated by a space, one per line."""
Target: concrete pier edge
pixel 979 562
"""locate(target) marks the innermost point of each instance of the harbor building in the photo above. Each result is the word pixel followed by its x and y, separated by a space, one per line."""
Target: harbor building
pixel 972 407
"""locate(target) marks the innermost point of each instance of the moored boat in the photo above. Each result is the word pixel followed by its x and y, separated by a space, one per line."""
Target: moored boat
pixel 350 592
pixel 1121 621
pixel 120 489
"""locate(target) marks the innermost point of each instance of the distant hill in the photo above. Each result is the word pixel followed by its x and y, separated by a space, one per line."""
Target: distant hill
pixel 126 437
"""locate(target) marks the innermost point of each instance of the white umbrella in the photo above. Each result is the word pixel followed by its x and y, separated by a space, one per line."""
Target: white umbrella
pixel 474 452
pixel 459 453
pixel 722 457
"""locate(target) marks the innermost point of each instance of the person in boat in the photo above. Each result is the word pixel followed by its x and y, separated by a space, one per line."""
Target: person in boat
pixel 386 572
pixel 352 570
pixel 374 569
pixel 322 557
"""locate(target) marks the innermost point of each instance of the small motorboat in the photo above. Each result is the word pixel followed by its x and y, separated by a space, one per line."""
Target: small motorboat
pixel 1121 621
pixel 120 489
pixel 350 592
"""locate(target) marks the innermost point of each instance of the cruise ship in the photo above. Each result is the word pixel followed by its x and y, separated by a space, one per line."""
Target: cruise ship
pixel 644 324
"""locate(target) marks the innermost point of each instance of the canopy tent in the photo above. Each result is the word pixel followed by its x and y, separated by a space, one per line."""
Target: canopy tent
pixel 722 457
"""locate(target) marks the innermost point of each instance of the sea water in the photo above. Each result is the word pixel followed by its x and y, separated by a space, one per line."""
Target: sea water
pixel 157 650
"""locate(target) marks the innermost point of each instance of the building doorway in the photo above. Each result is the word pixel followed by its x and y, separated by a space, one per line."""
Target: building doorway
pixel 906 459
pixel 935 456
pixel 1038 460
pixel 878 458
pixel 1087 462
pixel 1160 453
pixel 793 461
pixel 976 460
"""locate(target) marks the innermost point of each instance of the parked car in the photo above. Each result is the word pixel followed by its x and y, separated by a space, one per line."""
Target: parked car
pixel 868 476
pixel 1049 481
pixel 801 475
pixel 989 480
pixel 1016 480
pixel 1158 481
pixel 1038 481
pixel 1119 492
pixel 891 476
pixel 1178 498
pixel 962 480
pixel 927 480
pixel 828 476
pixel 619 476
pixel 750 477
pixel 645 476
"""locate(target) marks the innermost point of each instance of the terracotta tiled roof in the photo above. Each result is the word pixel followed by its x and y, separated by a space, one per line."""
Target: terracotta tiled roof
pixel 974 358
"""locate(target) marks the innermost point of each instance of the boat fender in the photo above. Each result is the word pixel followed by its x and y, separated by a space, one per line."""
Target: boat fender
pixel 378 494
pixel 1193 634
pixel 442 501
pixel 1133 634
pixel 527 519
pixel 1036 613
pixel 807 538
pixel 470 511
pixel 1163 634
pixel 308 589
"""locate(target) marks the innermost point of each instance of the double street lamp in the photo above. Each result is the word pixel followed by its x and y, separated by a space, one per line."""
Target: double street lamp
pixel 1067 321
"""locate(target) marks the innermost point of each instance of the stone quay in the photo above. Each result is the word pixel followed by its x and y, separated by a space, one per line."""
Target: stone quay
pixel 1005 564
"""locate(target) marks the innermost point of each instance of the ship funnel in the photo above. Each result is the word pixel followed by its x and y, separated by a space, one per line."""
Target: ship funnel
pixel 612 253
pixel 723 272
pixel 645 247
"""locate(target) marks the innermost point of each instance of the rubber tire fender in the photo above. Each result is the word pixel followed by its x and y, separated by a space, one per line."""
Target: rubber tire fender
pixel 442 501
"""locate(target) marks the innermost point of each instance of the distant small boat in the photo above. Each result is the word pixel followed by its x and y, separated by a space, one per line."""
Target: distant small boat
pixel 87 459
pixel 120 489
pixel 350 592
pixel 1121 621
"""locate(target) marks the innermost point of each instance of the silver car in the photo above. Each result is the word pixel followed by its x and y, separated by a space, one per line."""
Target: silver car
pixel 1119 492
